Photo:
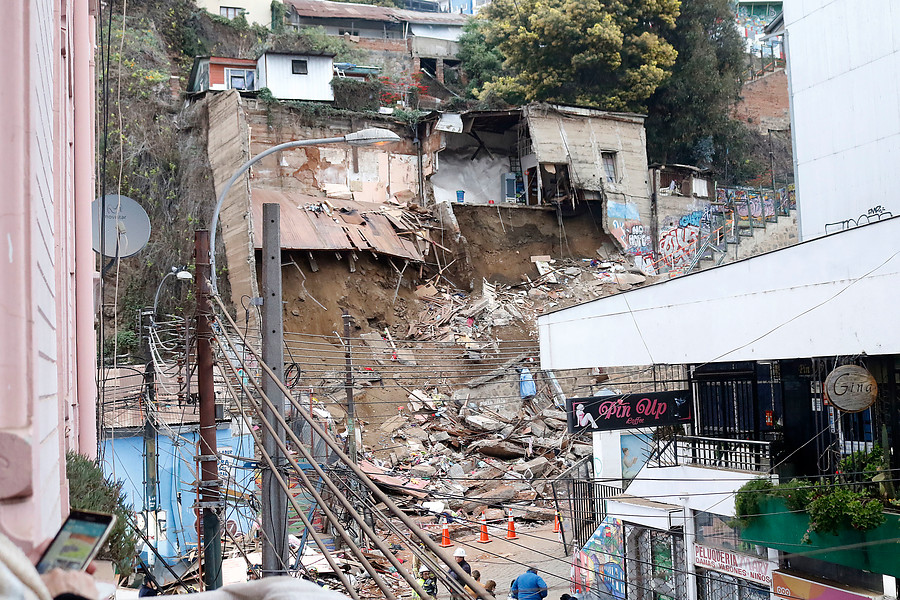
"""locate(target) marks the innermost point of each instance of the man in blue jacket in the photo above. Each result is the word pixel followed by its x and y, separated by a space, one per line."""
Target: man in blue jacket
pixel 529 586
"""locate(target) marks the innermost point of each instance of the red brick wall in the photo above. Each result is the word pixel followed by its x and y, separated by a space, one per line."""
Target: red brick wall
pixel 764 103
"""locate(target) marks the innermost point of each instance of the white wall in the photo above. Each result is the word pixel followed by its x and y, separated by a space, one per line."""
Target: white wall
pixel 827 296
pixel 257 11
pixel 275 73
pixel 844 70
pixel 697 488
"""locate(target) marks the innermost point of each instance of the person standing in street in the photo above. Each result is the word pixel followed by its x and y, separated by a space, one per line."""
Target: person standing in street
pixel 460 555
pixel 529 586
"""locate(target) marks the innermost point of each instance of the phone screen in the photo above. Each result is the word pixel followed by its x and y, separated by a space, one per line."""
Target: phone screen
pixel 77 542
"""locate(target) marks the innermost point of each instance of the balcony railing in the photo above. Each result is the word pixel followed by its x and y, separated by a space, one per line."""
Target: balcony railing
pixel 581 503
pixel 738 455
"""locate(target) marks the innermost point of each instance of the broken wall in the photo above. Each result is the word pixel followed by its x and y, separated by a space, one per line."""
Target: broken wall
pixel 365 174
pixel 228 148
pixel 479 172
pixel 579 138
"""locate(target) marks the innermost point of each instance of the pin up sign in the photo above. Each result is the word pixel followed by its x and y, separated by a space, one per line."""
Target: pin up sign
pixel 627 411
pixel 851 388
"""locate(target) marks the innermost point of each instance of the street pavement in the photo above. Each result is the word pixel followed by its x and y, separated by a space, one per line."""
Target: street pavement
pixel 503 560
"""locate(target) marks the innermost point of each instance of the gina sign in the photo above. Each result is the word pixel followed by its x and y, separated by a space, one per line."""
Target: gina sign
pixel 851 388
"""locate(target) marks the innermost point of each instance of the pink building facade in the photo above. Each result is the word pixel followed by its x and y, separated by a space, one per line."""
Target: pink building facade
pixel 47 266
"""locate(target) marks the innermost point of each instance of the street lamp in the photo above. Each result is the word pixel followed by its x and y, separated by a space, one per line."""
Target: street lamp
pixel 372 136
pixel 179 273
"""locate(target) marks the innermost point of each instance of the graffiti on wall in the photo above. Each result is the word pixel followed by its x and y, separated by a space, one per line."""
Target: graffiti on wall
pixel 872 215
pixel 598 571
pixel 633 235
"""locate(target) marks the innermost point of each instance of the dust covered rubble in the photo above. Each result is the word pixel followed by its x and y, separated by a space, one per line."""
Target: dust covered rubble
pixel 450 314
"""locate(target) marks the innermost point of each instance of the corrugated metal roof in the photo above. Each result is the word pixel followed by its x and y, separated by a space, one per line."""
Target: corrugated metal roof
pixel 314 223
pixel 324 9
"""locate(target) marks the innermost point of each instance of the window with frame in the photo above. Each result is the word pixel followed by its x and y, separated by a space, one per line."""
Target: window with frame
pixel 299 66
pixel 609 166
pixel 240 79
pixel 230 12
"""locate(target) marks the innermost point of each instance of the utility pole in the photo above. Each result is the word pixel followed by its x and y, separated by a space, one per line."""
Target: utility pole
pixel 348 386
pixel 274 500
pixel 150 466
pixel 210 499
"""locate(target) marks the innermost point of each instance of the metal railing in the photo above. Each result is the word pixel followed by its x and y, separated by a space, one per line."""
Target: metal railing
pixel 581 502
pixel 738 455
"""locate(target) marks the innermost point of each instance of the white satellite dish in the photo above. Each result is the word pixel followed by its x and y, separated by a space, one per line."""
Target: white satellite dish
pixel 126 226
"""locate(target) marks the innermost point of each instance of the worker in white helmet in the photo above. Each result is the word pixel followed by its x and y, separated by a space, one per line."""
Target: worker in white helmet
pixel 460 555
pixel 428 582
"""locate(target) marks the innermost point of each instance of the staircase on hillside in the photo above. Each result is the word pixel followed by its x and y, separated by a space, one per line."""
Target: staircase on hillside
pixel 737 216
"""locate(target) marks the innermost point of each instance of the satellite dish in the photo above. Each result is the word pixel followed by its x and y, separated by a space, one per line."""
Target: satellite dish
pixel 127 226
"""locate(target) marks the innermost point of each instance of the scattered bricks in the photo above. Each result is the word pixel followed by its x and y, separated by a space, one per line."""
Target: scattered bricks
pixel 422 471
pixel 552 413
pixel 582 450
pixel 499 449
pixel 533 468
pixel 483 423
pixel 497 496
pixel 439 436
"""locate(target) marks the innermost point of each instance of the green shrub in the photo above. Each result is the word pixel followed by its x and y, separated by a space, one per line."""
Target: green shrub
pixel 90 490
pixel 356 95
pixel 795 493
pixel 747 499
pixel 841 507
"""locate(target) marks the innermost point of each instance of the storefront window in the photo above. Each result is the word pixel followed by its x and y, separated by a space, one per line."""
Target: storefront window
pixel 717 531
pixel 654 564
pixel 712 585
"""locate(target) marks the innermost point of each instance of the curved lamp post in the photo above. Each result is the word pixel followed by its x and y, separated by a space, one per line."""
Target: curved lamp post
pixel 373 136
pixel 179 273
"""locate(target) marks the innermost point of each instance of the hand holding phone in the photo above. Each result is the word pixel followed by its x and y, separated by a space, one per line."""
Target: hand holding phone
pixel 77 542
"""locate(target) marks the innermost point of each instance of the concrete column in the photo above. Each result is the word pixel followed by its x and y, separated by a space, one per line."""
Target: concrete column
pixel 439 70
pixel 274 509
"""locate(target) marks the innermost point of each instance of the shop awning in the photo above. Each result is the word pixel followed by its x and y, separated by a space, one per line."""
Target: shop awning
pixel 828 296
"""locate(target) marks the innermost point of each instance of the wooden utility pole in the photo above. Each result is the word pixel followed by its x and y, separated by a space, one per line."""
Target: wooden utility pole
pixel 274 500
pixel 210 498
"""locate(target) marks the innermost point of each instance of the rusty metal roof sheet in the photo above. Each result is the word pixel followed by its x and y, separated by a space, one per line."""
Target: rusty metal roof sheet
pixel 324 9
pixel 314 223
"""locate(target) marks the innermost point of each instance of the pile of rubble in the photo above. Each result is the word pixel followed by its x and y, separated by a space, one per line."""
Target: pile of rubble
pixel 448 314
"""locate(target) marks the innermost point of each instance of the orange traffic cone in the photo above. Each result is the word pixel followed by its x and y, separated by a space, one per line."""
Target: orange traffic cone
pixel 511 528
pixel 445 534
pixel 556 523
pixel 484 539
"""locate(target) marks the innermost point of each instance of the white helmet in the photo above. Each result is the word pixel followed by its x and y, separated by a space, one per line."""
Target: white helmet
pixel 424 569
pixel 459 552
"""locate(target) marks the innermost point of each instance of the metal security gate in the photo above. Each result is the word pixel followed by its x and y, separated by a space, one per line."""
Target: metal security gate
pixel 727 404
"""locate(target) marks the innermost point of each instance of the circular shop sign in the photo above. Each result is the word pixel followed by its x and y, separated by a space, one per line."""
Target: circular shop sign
pixel 851 388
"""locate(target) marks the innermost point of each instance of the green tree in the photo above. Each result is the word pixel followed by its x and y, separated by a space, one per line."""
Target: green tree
pixel 607 53
pixel 689 117
pixel 480 61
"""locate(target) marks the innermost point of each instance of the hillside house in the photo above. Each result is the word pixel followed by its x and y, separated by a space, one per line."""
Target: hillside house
pixel 258 12
pixel 222 73
pixel 552 155
pixel 429 39
pixel 288 76
pixel 297 76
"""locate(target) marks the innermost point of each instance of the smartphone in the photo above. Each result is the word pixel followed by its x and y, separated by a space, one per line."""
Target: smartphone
pixel 77 542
